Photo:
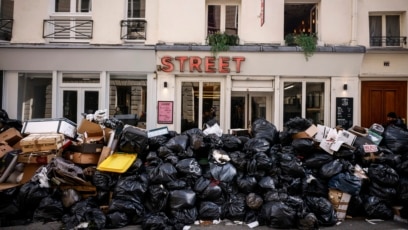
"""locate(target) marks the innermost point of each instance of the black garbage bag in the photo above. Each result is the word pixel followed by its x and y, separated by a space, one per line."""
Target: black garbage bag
pixel 376 208
pixel 291 165
pixel 388 194
pixel 263 161
pixel 69 197
pixel 276 195
pixel 346 182
pixel 266 183
pixel 162 174
pixel 303 145
pixel 235 207
pixel 239 160
pixel 308 222
pixel 223 172
pixel 156 198
pixel 84 211
pixel 254 201
pixel 297 124
pixel 189 167
pixel 49 209
pixel 131 205
pixel 209 211
pixel 231 142
pixel 246 184
pixel 182 199
pixel 323 210
pixel 135 185
pixel 403 191
pixel 331 169
pixel 177 184
pixel 396 139
pixel 104 181
pixel 185 216
pixel 178 144
pixel 117 219
pixel 213 141
pixel 263 129
pixel 133 140
pixel 29 197
pixel 314 186
pixel 383 174
pixel 317 160
pixel 356 206
pixel 157 141
pixel 156 220
pixel 207 190
pixel 8 206
pixel 277 214
pixel 255 145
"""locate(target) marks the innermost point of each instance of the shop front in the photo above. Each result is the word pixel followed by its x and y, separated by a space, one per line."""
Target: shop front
pixel 236 88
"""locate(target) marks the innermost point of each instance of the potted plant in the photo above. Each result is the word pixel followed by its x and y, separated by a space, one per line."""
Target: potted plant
pixel 221 42
pixel 306 41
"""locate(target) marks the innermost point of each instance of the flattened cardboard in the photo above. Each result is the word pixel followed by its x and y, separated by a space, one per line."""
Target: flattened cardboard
pixel 92 129
pixel 11 136
pixel 84 158
pixel 29 172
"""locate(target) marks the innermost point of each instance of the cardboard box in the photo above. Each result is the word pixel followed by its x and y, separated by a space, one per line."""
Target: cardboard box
pixel 340 201
pixel 28 173
pixel 84 158
pixel 106 151
pixel 90 129
pixel 50 125
pixel 86 148
pixel 42 142
pixel 4 148
pixel 36 158
pixel 11 136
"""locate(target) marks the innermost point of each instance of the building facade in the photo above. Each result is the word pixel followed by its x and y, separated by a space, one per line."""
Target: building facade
pixel 156 59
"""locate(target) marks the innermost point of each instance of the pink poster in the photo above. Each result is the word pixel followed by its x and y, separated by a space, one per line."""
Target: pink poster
pixel 165 112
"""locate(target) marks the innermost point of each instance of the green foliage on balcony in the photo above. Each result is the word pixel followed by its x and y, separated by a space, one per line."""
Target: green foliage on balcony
pixel 221 42
pixel 306 41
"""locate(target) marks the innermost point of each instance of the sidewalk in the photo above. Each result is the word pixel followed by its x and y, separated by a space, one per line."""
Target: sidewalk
pixel 357 223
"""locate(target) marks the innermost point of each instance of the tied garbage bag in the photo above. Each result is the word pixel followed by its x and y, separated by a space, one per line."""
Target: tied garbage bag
pixel 346 182
pixel 209 211
pixel 162 174
pixel 254 201
pixel 133 140
pixel 207 189
pixel 182 199
pixel 49 209
pixel 185 216
pixel 156 220
pixel 263 129
pixel 231 142
pixel 383 174
pixel 323 210
pixel 376 208
pixel 331 169
pixel 396 139
pixel 87 212
pixel 225 173
pixel 178 144
pixel 156 198
pixel 235 207
pixel 317 160
pixel 277 214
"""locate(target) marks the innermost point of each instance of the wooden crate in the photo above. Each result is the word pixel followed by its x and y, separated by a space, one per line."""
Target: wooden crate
pixel 42 142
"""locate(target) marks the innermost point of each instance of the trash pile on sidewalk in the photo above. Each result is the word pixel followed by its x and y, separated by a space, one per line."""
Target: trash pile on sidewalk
pixel 105 174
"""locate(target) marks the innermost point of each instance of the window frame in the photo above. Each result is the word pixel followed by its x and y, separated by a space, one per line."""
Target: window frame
pixel 383 16
pixel 72 10
pixel 223 12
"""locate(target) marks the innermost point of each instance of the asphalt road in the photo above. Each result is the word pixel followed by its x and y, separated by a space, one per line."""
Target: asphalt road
pixel 348 224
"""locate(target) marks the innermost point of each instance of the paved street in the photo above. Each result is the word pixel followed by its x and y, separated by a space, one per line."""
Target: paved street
pixel 357 223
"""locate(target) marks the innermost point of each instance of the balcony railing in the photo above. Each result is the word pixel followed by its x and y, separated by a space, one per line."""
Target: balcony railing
pixel 133 29
pixel 68 29
pixel 385 41
pixel 6 29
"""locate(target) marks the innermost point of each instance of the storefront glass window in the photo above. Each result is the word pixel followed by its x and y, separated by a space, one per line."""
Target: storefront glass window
pixel 312 107
pixel 35 99
pixel 200 103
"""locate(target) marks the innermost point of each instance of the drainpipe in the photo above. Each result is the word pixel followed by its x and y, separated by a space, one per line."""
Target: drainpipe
pixel 354 23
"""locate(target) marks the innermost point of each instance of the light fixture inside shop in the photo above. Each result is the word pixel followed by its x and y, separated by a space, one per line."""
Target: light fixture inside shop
pixel 289 86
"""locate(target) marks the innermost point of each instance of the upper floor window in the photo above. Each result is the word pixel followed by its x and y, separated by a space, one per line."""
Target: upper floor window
pixel 136 8
pixel 385 30
pixel 73 6
pixel 300 18
pixel 222 18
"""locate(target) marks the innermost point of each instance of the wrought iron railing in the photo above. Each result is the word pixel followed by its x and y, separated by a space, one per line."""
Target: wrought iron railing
pixel 133 29
pixel 384 41
pixel 6 29
pixel 68 29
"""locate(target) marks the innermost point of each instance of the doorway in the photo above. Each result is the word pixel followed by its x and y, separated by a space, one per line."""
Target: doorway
pixel 380 97
pixel 76 101
pixel 247 107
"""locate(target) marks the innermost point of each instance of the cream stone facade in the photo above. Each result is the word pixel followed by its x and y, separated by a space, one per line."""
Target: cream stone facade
pixel 93 55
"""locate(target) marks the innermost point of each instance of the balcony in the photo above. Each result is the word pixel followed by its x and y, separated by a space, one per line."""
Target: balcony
pixel 133 29
pixel 387 41
pixel 6 29
pixel 68 29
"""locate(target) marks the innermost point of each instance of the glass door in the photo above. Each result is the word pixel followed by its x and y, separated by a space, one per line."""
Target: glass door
pixel 76 101
pixel 247 107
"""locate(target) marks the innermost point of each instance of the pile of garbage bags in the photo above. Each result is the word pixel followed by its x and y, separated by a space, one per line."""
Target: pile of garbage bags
pixel 267 177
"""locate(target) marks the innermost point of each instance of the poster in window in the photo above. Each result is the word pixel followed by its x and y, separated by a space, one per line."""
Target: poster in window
pixel 165 112
pixel 344 112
